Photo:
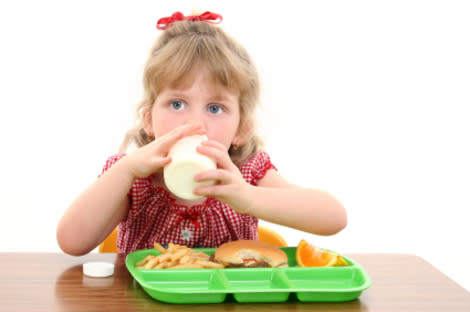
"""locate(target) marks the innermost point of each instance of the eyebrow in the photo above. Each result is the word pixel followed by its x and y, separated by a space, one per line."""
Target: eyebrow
pixel 181 94
pixel 220 97
pixel 175 93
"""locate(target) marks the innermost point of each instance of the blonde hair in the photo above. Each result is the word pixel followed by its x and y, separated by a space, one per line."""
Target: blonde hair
pixel 176 56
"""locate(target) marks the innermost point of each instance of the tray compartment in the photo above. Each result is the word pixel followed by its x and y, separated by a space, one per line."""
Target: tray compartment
pixel 185 285
pixel 335 284
pixel 258 285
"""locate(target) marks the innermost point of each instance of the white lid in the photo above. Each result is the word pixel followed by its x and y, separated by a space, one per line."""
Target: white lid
pixel 98 269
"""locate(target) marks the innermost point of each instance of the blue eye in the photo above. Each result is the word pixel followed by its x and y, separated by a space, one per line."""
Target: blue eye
pixel 214 109
pixel 177 105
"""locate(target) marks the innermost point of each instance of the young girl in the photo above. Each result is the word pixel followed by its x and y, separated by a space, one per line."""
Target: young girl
pixel 197 80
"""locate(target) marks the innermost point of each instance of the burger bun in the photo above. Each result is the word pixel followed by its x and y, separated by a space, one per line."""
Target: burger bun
pixel 250 253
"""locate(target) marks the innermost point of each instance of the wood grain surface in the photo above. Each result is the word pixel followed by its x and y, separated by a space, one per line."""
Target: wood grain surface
pixel 55 282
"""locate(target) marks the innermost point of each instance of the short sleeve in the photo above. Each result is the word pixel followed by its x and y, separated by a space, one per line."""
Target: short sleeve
pixel 140 190
pixel 255 168
pixel 111 161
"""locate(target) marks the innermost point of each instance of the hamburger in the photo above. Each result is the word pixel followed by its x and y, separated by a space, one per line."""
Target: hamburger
pixel 249 254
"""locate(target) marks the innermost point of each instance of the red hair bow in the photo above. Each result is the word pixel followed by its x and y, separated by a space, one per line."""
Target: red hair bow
pixel 209 17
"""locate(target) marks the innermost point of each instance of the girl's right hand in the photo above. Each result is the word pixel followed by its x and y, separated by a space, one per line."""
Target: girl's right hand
pixel 152 157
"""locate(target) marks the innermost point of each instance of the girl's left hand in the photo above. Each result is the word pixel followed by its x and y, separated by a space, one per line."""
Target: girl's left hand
pixel 230 187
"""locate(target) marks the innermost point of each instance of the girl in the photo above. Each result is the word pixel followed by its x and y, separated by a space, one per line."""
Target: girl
pixel 197 80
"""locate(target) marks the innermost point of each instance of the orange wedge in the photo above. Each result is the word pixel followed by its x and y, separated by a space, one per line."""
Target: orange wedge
pixel 308 255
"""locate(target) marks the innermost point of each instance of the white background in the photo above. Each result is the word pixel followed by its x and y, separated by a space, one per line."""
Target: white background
pixel 365 99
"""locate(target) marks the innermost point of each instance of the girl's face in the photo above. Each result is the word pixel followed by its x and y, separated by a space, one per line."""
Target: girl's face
pixel 200 103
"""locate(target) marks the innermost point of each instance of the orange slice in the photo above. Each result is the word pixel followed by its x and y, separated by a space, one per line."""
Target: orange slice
pixel 308 255
pixel 341 261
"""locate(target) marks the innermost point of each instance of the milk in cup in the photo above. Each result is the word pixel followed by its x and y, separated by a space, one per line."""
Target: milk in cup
pixel 185 163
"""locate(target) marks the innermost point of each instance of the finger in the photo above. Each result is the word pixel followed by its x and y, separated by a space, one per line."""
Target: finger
pixel 211 190
pixel 214 144
pixel 221 157
pixel 194 129
pixel 219 175
pixel 159 162
pixel 185 130
pixel 167 140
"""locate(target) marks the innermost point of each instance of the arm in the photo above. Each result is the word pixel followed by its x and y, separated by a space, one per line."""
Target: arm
pixel 96 212
pixel 274 199
pixel 309 210
pixel 99 209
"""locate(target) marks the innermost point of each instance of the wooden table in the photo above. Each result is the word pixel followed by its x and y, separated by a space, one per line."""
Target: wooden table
pixel 54 282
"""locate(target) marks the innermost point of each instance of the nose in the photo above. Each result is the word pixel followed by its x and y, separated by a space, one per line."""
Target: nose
pixel 196 119
pixel 196 123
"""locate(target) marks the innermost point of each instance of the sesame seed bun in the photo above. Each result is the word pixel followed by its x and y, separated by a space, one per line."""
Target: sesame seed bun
pixel 250 253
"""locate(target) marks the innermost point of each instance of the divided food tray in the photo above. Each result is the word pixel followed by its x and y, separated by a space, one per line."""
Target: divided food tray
pixel 314 284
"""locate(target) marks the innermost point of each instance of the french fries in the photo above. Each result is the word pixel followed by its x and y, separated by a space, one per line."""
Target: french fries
pixel 177 257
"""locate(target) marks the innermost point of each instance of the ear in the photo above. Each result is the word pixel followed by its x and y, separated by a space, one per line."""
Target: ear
pixel 242 133
pixel 147 120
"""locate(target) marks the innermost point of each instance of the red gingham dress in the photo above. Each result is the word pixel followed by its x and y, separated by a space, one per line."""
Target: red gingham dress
pixel 155 217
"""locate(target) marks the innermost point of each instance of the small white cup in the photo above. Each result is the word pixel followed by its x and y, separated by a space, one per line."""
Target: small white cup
pixel 185 163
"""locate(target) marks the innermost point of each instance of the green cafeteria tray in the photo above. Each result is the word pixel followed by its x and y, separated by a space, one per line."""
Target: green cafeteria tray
pixel 313 284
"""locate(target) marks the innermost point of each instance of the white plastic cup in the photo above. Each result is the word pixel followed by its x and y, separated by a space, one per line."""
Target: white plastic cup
pixel 185 163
